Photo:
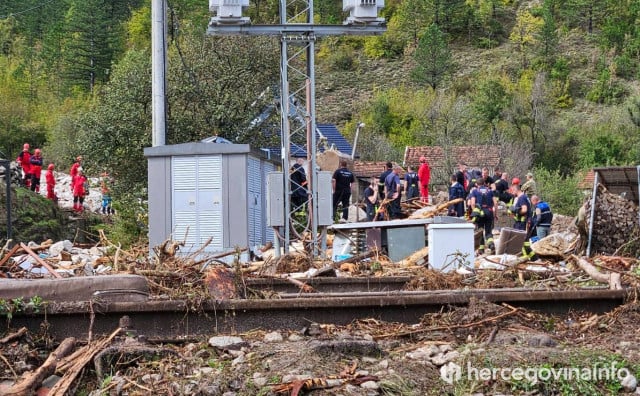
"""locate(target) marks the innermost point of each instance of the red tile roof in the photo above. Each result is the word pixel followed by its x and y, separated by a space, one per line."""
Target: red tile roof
pixel 367 169
pixel 587 182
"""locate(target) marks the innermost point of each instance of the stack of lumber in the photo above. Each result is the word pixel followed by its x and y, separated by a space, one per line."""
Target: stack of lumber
pixel 615 224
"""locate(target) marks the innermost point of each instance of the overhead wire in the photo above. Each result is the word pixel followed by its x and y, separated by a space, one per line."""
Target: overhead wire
pixel 25 11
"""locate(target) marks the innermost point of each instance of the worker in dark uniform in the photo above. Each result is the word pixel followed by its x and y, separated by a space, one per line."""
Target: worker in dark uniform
pixel 521 209
pixel 299 194
pixel 383 176
pixel 341 184
pixel 392 187
pixel 371 199
pixel 411 188
pixel 483 212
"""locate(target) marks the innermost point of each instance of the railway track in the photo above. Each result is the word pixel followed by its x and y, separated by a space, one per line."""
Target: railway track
pixel 164 320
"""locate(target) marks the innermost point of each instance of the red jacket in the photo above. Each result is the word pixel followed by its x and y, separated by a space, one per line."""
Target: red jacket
pixel 24 159
pixel 74 170
pixel 78 185
pixel 51 180
pixel 424 173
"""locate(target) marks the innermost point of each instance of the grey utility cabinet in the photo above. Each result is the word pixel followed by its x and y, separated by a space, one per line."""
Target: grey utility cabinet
pixel 202 190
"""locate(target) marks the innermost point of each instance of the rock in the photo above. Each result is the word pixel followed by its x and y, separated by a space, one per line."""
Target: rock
pixel 58 247
pixel 541 340
pixel 204 371
pixel 260 381
pixel 424 353
pixel 227 342
pixel 293 337
pixel 373 385
pixel 629 383
pixel 238 361
pixel 444 358
pixel 274 336
pixel 210 390
pixel 347 347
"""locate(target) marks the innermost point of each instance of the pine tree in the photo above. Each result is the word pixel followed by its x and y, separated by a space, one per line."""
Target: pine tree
pixel 433 57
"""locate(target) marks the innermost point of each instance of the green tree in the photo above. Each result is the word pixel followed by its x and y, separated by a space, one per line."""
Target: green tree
pixel 547 38
pixel 483 26
pixel 489 102
pixel 412 19
pixel 93 40
pixel 601 148
pixel 433 58
pixel 524 33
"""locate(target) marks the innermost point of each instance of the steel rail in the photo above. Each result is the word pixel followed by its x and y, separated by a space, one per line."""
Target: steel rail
pixel 181 319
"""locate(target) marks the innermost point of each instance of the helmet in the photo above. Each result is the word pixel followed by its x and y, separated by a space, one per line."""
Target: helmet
pixel 423 158
pixel 25 146
pixel 50 167
pixel 515 180
pixel 37 152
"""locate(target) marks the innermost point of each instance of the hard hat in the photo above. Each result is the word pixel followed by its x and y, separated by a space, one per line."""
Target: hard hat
pixel 50 167
pixel 37 152
pixel 25 146
pixel 515 180
pixel 423 158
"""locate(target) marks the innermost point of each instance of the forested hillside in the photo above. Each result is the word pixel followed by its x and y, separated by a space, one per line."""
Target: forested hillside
pixel 554 83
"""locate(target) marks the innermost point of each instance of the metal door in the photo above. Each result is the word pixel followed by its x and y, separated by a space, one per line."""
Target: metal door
pixel 197 201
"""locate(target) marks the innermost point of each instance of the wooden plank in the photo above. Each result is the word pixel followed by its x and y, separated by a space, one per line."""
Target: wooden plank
pixel 11 252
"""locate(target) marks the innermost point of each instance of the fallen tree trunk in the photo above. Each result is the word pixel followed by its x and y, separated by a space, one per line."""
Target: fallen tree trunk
pixel 32 380
pixel 611 278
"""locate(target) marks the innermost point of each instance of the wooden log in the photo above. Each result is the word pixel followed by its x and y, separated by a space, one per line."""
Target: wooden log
pixel 417 258
pixel 611 278
pixel 31 381
pixel 13 336
pixel 9 254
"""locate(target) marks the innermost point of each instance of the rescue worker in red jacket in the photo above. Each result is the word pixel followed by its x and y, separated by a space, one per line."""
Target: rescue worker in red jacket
pixel 79 190
pixel 51 183
pixel 424 177
pixel 23 159
pixel 36 170
pixel 73 172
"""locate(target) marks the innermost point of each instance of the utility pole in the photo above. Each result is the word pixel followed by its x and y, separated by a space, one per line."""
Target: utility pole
pixel 297 82
pixel 158 71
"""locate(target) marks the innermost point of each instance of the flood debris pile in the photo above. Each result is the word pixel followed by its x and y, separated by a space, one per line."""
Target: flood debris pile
pixel 366 357
pixel 557 261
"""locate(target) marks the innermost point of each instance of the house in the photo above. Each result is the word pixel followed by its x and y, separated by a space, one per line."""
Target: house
pixel 443 161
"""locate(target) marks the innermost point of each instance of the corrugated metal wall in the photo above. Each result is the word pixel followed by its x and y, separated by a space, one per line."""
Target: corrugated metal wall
pixel 259 232
pixel 197 201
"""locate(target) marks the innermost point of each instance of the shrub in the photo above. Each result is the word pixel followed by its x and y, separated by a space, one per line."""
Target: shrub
pixel 561 192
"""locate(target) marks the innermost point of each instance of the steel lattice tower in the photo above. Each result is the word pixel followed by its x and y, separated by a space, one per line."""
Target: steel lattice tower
pixel 298 35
